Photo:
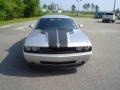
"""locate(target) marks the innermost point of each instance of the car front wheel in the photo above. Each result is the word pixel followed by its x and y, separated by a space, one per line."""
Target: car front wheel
pixel 103 21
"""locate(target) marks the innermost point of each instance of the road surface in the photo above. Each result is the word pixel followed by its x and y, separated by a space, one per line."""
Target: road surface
pixel 102 72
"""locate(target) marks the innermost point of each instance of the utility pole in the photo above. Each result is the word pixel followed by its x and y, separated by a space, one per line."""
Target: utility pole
pixel 78 1
pixel 114 5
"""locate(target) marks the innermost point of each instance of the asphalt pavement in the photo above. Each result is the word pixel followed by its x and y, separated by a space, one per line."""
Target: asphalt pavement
pixel 101 72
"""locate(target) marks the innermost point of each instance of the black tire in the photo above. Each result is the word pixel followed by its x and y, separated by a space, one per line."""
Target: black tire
pixel 113 21
pixel 103 21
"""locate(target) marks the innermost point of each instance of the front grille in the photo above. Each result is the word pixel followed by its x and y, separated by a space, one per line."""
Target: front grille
pixel 61 50
pixel 55 50
pixel 57 63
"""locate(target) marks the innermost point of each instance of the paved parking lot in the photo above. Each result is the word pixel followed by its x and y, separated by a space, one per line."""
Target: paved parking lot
pixel 102 72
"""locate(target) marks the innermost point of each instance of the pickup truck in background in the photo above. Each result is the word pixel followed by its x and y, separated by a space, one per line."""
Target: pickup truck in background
pixel 109 17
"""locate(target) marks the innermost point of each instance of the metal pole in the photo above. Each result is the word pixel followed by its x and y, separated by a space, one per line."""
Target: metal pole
pixel 114 5
pixel 78 1
pixel 78 8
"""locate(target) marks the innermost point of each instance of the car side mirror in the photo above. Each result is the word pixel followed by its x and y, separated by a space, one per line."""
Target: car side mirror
pixel 31 26
pixel 81 26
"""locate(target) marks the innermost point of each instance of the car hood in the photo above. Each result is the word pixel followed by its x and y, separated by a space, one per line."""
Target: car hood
pixel 57 38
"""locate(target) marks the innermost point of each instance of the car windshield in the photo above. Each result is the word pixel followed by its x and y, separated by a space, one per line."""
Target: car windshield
pixel 109 13
pixel 56 23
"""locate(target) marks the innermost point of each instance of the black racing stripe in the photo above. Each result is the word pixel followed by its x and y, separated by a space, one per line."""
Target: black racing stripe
pixel 52 37
pixel 63 40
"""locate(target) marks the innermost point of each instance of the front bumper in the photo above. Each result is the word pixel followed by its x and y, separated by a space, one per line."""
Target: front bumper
pixel 108 19
pixel 56 59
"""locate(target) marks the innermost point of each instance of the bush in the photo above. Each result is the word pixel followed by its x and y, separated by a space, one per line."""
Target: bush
pixel 2 15
pixel 32 8
pixel 10 9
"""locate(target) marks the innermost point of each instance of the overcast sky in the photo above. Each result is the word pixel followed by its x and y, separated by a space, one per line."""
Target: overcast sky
pixel 105 5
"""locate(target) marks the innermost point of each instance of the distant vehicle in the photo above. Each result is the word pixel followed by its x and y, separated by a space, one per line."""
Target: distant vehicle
pixel 109 16
pixel 99 15
pixel 59 11
pixel 44 10
pixel 57 41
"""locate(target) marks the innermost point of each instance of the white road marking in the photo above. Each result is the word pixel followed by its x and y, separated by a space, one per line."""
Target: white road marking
pixel 6 26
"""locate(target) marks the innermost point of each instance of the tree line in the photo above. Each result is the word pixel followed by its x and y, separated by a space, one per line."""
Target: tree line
pixel 10 9
pixel 88 7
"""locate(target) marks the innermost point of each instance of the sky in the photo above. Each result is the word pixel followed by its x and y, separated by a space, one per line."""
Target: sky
pixel 105 5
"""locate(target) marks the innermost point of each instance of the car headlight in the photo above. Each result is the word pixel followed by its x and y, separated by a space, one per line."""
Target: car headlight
pixel 79 49
pixel 87 48
pixel 35 49
pixel 27 48
pixel 83 49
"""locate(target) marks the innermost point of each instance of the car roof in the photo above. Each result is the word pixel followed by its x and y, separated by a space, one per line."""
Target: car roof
pixel 110 12
pixel 56 16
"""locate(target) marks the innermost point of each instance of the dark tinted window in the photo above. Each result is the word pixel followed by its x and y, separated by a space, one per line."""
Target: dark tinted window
pixel 109 13
pixel 56 23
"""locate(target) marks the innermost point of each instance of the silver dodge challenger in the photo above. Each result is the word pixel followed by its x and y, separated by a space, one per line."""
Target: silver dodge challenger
pixel 57 41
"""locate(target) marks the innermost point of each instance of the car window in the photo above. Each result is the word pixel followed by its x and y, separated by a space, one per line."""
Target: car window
pixel 109 14
pixel 56 23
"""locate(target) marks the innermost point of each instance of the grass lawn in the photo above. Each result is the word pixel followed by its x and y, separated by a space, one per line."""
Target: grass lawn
pixel 81 15
pixel 17 20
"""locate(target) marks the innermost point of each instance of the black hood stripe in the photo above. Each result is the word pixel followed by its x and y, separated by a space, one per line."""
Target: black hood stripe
pixel 62 34
pixel 63 39
pixel 56 37
pixel 52 37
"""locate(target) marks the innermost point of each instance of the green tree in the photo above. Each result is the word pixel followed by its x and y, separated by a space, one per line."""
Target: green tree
pixel 117 11
pixel 7 8
pixel 73 8
pixel 51 7
pixel 93 7
pixel 32 8
pixel 88 6
pixel 19 9
pixel 96 8
pixel 45 6
pixel 85 7
pixel 11 9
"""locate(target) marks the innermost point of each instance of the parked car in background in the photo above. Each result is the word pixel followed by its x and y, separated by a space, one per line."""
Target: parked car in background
pixel 109 17
pixel 57 41
pixel 99 15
